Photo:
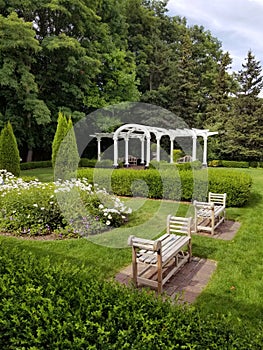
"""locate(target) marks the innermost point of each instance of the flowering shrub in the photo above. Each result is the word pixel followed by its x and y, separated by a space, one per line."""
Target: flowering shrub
pixel 72 207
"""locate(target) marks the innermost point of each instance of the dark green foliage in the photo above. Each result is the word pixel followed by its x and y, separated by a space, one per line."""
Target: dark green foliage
pixel 89 163
pixel 67 158
pixel 9 154
pixel 235 184
pixel 184 185
pixel 175 166
pixel 47 305
pixel 243 139
pixel 35 165
pixel 253 164
pixel 229 164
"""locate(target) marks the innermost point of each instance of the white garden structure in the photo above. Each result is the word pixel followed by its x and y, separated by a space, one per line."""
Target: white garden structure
pixel 143 134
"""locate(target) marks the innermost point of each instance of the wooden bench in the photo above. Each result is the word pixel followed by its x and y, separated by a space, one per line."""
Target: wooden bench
pixel 209 215
pixel 185 159
pixel 161 258
pixel 132 160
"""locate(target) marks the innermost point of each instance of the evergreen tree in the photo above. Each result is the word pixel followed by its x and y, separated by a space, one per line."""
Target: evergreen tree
pixel 67 156
pixel 9 158
pixel 244 128
pixel 61 132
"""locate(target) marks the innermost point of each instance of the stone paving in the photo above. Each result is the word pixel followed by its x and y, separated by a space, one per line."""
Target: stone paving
pixel 192 278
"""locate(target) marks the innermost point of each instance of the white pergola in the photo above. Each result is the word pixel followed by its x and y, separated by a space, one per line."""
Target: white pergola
pixel 143 133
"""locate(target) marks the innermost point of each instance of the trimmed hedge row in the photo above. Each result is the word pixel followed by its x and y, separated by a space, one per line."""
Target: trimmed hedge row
pixel 35 165
pixel 229 164
pixel 174 185
pixel 46 305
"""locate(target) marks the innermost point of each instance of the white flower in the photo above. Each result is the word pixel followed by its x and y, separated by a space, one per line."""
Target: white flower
pixel 101 206
pixel 35 205
pixel 42 208
pixel 109 217
pixel 108 222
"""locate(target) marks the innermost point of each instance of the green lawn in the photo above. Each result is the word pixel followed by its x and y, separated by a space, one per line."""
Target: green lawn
pixel 43 174
pixel 236 288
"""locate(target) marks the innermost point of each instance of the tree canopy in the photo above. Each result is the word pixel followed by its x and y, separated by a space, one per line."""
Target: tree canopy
pixel 79 56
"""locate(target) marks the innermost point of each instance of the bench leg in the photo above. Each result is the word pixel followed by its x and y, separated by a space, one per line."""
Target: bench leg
pixel 190 250
pixel 159 272
pixel 213 221
pixel 134 266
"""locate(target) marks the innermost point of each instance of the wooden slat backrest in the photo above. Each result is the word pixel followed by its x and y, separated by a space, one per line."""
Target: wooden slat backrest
pixel 178 225
pixel 217 198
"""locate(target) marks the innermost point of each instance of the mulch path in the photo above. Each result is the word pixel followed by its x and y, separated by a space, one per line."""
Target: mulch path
pixel 192 278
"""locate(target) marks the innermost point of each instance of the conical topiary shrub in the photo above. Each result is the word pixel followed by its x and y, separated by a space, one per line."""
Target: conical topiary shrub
pixel 61 132
pixel 9 153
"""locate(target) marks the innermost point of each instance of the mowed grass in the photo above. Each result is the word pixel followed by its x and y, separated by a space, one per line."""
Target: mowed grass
pixel 236 287
pixel 42 174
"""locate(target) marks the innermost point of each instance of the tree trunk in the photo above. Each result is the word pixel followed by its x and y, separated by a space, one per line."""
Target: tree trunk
pixel 29 156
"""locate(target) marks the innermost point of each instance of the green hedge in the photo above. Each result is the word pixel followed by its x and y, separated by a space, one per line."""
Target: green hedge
pixel 87 163
pixel 164 165
pixel 34 165
pixel 46 305
pixel 183 185
pixel 228 164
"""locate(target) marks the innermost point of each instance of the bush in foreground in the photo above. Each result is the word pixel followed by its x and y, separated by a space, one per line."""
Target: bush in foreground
pixel 46 305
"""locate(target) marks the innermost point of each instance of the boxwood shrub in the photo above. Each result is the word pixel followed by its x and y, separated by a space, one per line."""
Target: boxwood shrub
pixel 34 165
pixel 175 185
pixel 229 164
pixel 49 305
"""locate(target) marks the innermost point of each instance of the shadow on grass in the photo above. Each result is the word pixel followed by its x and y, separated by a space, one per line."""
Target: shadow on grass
pixel 254 200
pixel 244 315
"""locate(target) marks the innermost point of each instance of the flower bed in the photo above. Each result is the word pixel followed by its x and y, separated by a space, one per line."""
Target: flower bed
pixel 73 207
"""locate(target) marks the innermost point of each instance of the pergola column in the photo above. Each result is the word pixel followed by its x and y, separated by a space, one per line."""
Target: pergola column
pixel 115 149
pixel 171 149
pixel 126 138
pixel 158 138
pixel 99 148
pixel 194 137
pixel 205 151
pixel 148 150
pixel 142 150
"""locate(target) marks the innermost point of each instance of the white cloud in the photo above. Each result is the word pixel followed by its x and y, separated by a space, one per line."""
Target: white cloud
pixel 236 23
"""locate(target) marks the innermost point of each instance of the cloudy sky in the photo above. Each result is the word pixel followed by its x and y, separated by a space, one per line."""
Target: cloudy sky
pixel 237 24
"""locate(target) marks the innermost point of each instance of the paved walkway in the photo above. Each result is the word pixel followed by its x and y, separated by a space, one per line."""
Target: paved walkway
pixel 193 277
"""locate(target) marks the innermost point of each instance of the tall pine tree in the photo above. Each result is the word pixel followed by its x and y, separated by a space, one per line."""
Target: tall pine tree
pixel 244 128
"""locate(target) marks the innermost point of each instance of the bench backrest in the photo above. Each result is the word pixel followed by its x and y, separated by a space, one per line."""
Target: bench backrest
pixel 217 198
pixel 175 225
pixel 179 225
